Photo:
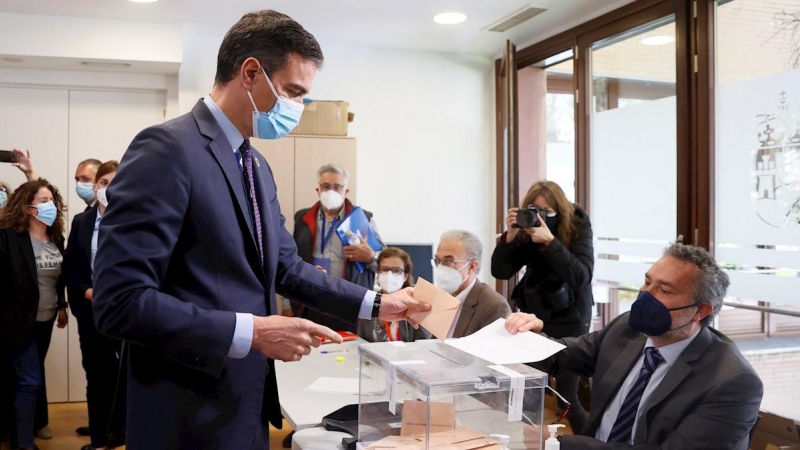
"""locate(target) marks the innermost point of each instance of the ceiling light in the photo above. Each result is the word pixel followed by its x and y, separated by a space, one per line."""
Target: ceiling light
pixel 449 18
pixel 143 1
pixel 12 59
pixel 106 65
pixel 658 40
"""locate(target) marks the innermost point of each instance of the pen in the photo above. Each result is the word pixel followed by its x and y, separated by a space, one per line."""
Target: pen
pixel 331 351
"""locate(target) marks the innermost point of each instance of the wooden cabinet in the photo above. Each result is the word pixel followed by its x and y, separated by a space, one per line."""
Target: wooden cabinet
pixel 295 160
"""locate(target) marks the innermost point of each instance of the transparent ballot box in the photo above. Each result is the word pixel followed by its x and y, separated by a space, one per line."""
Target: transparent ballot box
pixel 428 395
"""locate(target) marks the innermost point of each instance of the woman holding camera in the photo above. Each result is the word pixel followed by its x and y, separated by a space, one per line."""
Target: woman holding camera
pixel 552 239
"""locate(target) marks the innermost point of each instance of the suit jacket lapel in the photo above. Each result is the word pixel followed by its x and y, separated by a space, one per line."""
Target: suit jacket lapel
pixel 680 370
pixel 270 235
pixel 223 153
pixel 613 379
pixel 468 310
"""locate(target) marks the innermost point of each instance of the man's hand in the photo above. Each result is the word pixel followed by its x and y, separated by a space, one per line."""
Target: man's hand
pixel 288 338
pixel 359 253
pixel 88 294
pixel 520 322
pixel 62 318
pixel 24 163
pixel 396 306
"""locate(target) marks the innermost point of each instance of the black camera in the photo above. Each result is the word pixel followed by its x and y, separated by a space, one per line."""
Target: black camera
pixel 528 217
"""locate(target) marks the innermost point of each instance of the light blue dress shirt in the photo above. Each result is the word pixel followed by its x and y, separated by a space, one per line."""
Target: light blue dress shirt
pixel 94 236
pixel 243 333
pixel 670 353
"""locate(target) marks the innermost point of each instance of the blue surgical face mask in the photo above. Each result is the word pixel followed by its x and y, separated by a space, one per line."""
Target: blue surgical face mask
pixel 47 213
pixel 85 191
pixel 280 120
pixel 3 198
pixel 651 317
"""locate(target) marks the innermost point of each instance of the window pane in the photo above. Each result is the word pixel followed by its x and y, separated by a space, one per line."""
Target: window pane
pixel 633 155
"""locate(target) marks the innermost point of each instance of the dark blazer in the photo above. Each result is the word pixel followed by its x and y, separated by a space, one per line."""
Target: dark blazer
pixel 77 266
pixel 19 295
pixel 482 306
pixel 177 258
pixel 708 400
pixel 549 269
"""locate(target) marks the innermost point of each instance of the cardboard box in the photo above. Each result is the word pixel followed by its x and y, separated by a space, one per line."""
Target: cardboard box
pixel 324 118
pixel 775 432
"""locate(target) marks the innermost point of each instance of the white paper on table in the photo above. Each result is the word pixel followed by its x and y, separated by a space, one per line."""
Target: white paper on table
pixel 494 344
pixel 333 385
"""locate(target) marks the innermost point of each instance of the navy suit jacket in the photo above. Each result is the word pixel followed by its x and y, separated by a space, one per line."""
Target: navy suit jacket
pixel 177 258
pixel 77 267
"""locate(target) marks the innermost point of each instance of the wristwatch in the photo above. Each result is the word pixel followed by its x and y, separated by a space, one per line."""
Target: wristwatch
pixel 376 306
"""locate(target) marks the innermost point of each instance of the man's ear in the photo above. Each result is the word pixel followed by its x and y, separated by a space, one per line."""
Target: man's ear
pixel 704 310
pixel 249 71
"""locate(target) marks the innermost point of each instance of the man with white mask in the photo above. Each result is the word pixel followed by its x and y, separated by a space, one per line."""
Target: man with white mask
pixel 456 267
pixel 318 243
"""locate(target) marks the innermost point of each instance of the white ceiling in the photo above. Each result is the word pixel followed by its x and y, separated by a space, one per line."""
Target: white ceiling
pixel 383 23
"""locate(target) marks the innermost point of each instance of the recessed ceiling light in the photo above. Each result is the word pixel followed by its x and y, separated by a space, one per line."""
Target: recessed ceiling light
pixel 658 40
pixel 449 18
pixel 143 1
pixel 106 65
pixel 12 59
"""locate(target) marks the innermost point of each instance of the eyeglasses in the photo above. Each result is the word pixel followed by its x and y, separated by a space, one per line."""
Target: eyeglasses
pixel 4 189
pixel 336 187
pixel 448 262
pixel 394 270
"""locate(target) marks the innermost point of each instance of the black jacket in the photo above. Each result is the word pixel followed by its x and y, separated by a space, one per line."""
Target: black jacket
pixel 557 285
pixel 19 295
pixel 77 267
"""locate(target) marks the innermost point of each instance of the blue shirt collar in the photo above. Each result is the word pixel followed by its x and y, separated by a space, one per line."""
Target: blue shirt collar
pixel 233 135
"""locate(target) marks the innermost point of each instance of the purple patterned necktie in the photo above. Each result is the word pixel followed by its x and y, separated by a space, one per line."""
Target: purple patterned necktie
pixel 247 162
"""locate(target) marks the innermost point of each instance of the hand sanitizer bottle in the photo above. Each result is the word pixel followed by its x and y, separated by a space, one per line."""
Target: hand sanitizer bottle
pixel 552 442
pixel 352 238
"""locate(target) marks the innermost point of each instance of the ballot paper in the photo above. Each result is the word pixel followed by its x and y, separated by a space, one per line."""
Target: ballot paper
pixel 443 308
pixel 494 344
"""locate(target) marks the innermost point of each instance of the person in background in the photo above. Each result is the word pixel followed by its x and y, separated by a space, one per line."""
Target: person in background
pixel 457 264
pixel 663 379
pixel 99 352
pixel 85 175
pixel 318 243
pixel 395 272
pixel 559 258
pixel 31 248
pixel 5 192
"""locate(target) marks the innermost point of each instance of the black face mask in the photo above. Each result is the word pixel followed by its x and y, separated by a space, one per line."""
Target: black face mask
pixel 651 317
pixel 552 222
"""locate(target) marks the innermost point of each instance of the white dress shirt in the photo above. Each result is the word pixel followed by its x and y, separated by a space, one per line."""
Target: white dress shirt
pixel 243 332
pixel 670 353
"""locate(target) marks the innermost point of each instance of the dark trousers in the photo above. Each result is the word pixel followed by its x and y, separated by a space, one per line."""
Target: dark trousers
pixel 26 379
pixel 101 362
pixel 567 384
pixel 44 334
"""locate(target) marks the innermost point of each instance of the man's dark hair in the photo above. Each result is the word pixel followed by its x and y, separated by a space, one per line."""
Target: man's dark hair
pixel 268 36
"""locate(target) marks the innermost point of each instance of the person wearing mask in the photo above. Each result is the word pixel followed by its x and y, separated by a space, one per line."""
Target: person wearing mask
pixel 100 353
pixel 31 249
pixel 193 249
pixel 5 192
pixel 85 174
pixel 395 272
pixel 456 267
pixel 318 243
pixel 663 378
pixel 559 258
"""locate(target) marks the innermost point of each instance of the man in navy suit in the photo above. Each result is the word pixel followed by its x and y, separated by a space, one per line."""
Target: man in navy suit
pixel 193 249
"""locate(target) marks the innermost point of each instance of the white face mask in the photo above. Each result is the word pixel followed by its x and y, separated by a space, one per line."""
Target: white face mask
pixel 331 199
pixel 390 282
pixel 448 279
pixel 101 197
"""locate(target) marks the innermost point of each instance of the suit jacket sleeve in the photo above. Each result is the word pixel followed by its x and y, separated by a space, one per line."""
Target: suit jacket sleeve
pixel 148 201
pixel 70 266
pixel 507 259
pixel 722 421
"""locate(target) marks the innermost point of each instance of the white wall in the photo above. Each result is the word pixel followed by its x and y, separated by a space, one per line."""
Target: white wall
pixel 424 125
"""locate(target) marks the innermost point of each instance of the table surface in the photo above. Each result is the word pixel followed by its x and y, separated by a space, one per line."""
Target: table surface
pixel 303 409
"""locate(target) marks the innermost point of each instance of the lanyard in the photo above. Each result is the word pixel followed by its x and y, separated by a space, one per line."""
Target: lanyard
pixel 325 237
pixel 396 337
